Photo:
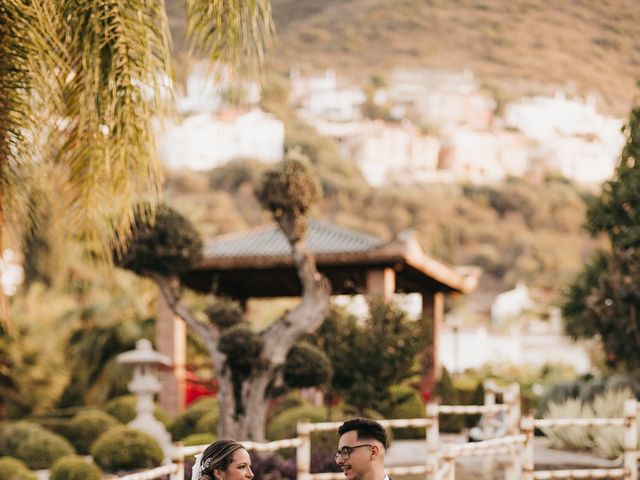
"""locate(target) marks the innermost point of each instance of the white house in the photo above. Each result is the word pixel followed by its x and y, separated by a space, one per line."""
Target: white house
pixel 584 160
pixel 440 97
pixel 393 153
pixel 207 88
pixel 510 304
pixel 320 97
pixel 206 141
pixel 574 139
pixel 474 347
pixel 481 156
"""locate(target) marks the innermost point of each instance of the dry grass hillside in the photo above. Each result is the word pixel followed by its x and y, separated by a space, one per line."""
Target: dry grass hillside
pixel 514 46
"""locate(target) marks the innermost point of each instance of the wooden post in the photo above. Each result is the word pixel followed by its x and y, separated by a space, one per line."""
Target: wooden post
pixel 512 398
pixel 433 316
pixel 630 439
pixel 171 340
pixel 381 282
pixel 489 392
pixel 449 459
pixel 303 452
pixel 432 432
pixel 527 427
pixel 178 458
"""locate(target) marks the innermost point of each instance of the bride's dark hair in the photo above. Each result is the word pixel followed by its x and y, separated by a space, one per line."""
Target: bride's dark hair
pixel 217 456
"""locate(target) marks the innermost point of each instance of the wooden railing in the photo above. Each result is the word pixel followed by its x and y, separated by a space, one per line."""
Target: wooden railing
pixel 440 458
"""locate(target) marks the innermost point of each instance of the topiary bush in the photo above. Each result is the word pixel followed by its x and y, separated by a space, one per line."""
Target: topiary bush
pixel 74 467
pixel 306 366
pixel 170 246
pixel 12 434
pixel 187 423
pixel 14 469
pixel 208 423
pixel 124 448
pixel 39 451
pixel 86 427
pixel 448 395
pixel 224 313
pixel 123 408
pixel 406 403
pixel 289 191
pixel 284 424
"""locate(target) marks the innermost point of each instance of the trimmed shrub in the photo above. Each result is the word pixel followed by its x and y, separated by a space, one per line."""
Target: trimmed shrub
pixel 74 467
pixel 448 396
pixel 208 423
pixel 224 313
pixel 123 408
pixel 198 439
pixel 14 469
pixel 14 433
pixel 406 403
pixel 123 448
pixel 284 424
pixel 87 426
pixel 290 400
pixel 306 366
pixel 57 425
pixel 169 246
pixel 41 450
pixel 186 423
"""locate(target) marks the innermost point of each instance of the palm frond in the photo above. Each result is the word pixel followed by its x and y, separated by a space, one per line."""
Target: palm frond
pixel 29 60
pixel 120 78
pixel 233 32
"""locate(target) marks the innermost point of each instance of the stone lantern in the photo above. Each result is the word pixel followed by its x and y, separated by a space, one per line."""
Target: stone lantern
pixel 144 385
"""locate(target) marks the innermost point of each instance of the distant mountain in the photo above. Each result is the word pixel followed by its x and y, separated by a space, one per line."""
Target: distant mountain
pixel 513 46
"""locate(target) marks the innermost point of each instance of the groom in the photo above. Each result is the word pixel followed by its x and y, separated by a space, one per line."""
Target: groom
pixel 361 449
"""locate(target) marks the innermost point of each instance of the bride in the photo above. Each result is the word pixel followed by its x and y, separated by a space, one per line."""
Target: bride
pixel 223 460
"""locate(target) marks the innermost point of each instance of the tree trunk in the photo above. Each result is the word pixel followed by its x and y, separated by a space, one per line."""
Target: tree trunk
pixel 277 340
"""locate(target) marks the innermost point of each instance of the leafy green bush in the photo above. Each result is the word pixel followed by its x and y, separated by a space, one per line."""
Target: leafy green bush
pixel 57 425
pixel 123 448
pixel 306 366
pixel 198 439
pixel 289 190
pixel 14 469
pixel 41 450
pixel 87 426
pixel 74 467
pixel 448 395
pixel 224 313
pixel 12 434
pixel 208 423
pixel 284 424
pixel 123 408
pixel 169 246
pixel 406 403
pixel 187 423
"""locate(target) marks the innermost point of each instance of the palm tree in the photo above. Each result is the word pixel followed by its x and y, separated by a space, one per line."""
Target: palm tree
pixel 80 83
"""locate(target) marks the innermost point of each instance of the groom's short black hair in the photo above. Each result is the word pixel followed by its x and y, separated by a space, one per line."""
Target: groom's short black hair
pixel 365 428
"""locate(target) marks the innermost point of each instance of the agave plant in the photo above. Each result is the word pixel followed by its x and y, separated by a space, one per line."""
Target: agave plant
pixel 609 441
pixel 578 438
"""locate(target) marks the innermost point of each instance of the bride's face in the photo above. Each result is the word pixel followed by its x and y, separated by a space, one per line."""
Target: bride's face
pixel 239 469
